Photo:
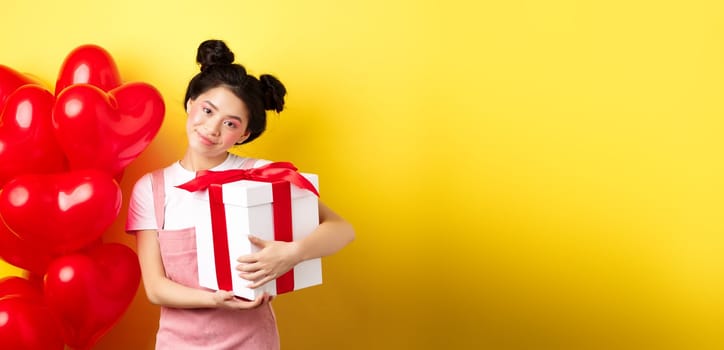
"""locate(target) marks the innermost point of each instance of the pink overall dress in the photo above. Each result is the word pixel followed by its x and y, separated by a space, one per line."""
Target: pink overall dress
pixel 207 329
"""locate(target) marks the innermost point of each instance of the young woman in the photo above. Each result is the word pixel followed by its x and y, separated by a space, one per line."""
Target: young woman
pixel 225 107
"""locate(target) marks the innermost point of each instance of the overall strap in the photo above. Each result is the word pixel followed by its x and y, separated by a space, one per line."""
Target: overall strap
pixel 159 196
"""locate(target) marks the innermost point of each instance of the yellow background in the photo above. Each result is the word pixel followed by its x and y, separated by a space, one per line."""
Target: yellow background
pixel 521 174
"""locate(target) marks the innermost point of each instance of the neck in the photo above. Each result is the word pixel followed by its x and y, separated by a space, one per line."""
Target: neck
pixel 195 163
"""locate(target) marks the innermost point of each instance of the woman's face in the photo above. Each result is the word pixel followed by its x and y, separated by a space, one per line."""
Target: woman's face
pixel 217 120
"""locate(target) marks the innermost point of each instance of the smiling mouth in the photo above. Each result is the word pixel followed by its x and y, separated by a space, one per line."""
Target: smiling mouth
pixel 204 139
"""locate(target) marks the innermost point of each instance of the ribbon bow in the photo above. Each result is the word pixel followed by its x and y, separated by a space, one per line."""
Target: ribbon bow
pixel 272 172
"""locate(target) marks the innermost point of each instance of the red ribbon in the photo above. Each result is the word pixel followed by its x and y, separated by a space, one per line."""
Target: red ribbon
pixel 272 172
pixel 281 175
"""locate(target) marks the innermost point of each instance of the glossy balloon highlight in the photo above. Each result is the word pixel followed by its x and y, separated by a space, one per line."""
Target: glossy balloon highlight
pixel 64 211
pixel 27 139
pixel 88 64
pixel 107 130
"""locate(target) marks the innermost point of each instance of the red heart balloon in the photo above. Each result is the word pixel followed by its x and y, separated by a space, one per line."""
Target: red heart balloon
pixel 19 287
pixel 10 80
pixel 26 322
pixel 90 292
pixel 88 64
pixel 23 254
pixel 27 138
pixel 64 211
pixel 107 131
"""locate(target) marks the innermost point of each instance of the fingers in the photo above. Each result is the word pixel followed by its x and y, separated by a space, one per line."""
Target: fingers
pixel 247 259
pixel 252 272
pixel 248 267
pixel 253 257
pixel 253 276
pixel 227 299
pixel 250 304
pixel 255 273
pixel 224 295
pixel 222 298
pixel 262 281
pixel 257 241
pixel 258 278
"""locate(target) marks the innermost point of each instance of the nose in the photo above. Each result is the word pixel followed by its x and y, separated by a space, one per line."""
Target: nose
pixel 212 127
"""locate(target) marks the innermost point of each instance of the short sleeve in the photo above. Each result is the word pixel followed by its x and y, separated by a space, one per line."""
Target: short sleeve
pixel 260 163
pixel 141 213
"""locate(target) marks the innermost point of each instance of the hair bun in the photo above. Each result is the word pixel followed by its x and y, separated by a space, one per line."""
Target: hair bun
pixel 274 92
pixel 213 52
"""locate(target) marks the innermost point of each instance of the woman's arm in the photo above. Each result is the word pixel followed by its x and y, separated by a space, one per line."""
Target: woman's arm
pixel 276 258
pixel 162 291
pixel 333 234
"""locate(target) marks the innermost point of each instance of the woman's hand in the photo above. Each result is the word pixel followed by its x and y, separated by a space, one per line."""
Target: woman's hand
pixel 227 300
pixel 273 260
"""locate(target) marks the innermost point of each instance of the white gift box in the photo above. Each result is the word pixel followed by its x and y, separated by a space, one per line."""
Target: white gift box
pixel 248 210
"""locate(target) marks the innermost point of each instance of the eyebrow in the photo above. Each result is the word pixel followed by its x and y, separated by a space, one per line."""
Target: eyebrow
pixel 217 108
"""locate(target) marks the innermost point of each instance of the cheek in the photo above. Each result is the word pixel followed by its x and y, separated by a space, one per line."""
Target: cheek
pixel 192 122
pixel 194 117
pixel 231 138
pixel 189 123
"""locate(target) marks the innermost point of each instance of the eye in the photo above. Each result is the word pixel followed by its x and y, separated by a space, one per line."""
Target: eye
pixel 231 123
pixel 206 110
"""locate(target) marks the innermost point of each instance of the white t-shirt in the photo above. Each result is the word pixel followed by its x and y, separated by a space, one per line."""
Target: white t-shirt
pixel 178 207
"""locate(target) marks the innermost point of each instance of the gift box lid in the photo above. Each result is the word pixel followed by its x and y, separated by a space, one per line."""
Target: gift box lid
pixel 248 193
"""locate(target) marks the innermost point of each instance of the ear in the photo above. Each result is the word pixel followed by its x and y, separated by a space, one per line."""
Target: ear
pixel 188 105
pixel 244 137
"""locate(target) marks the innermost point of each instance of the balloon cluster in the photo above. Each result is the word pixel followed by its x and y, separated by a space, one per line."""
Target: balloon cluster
pixel 62 155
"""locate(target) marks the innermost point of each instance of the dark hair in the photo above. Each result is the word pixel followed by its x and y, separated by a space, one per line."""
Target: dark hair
pixel 218 69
